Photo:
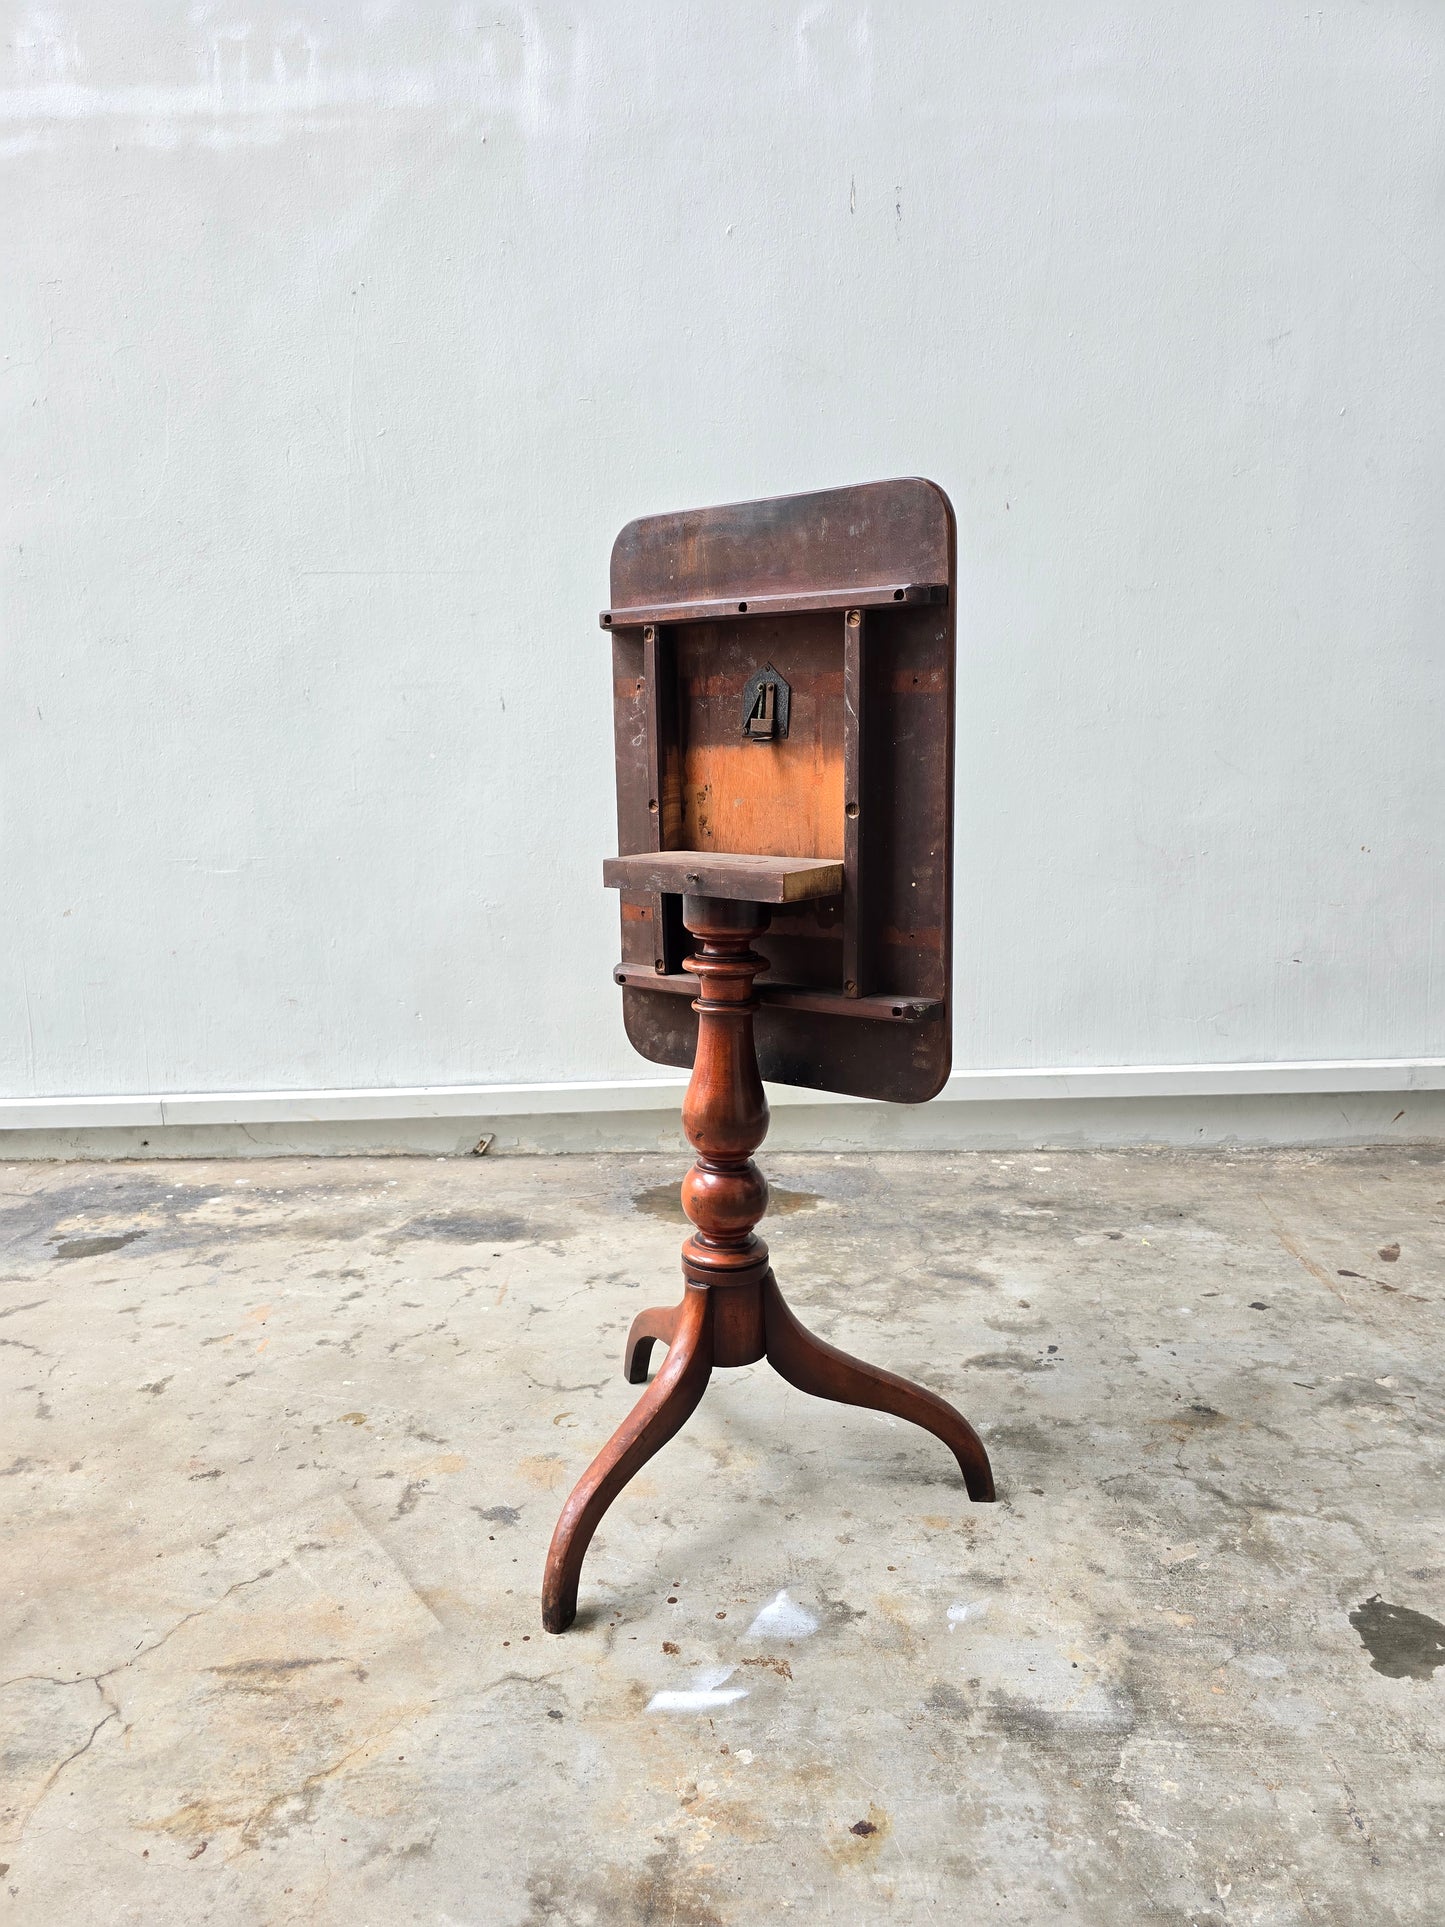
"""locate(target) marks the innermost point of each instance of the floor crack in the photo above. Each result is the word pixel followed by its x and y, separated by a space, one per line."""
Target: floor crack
pixel 143 1652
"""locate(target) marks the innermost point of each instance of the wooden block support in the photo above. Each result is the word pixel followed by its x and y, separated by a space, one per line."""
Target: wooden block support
pixel 740 879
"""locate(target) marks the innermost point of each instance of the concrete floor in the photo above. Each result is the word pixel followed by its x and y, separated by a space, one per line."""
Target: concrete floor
pixel 283 1445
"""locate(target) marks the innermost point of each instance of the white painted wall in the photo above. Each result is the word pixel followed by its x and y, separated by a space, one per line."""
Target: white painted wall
pixel 339 341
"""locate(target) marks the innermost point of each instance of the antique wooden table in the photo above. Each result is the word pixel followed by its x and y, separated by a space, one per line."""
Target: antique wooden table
pixel 783 713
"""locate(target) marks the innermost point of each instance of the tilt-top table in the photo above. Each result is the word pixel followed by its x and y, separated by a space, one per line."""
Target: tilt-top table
pixel 783 713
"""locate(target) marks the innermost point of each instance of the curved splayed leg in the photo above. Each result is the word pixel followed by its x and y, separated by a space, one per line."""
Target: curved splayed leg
pixel 819 1368
pixel 663 1409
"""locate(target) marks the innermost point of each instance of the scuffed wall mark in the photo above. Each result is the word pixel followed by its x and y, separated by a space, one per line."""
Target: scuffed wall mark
pixel 46 48
pixel 229 59
pixel 294 57
pixel 253 82
pixel 833 54
pixel 40 141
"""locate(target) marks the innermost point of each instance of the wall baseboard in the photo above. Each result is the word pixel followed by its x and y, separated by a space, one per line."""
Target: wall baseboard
pixel 1356 1100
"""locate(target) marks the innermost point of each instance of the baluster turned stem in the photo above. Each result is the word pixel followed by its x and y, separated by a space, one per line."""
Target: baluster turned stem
pixel 725 1116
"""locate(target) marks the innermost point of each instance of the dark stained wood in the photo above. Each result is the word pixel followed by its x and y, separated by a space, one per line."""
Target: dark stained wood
pixel 663 800
pixel 731 1312
pixel 637 829
pixel 857 806
pixel 882 1010
pixel 748 879
pixel 800 563
pixel 799 603
pixel 823 1050
pixel 843 539
pixel 658 702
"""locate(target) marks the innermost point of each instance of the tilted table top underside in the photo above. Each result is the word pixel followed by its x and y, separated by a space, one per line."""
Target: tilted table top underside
pixel 783 676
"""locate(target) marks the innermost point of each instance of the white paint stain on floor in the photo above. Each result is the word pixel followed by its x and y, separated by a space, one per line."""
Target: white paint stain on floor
pixel 707 1694
pixel 783 1618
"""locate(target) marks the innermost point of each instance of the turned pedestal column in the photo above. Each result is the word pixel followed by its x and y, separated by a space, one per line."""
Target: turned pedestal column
pixel 732 1312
